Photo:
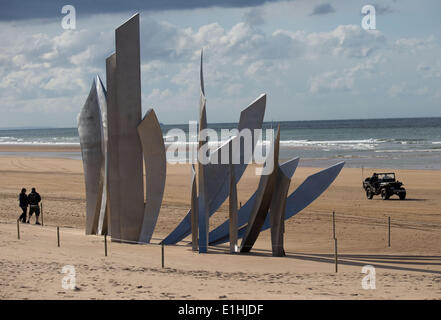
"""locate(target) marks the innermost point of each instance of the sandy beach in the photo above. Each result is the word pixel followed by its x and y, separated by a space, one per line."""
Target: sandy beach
pixel 409 269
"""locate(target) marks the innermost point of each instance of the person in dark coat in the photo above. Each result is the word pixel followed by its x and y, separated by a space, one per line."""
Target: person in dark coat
pixel 34 205
pixel 23 202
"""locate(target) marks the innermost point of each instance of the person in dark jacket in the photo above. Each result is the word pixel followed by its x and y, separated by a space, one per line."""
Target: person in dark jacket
pixel 34 205
pixel 23 200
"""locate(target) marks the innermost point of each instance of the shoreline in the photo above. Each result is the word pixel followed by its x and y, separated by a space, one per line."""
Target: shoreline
pixel 73 152
pixel 39 148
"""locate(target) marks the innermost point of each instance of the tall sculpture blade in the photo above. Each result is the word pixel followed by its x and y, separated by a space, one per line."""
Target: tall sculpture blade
pixel 126 196
pixel 263 200
pixel 218 187
pixel 201 74
pixel 90 133
pixel 203 207
pixel 103 215
pixel 232 204
pixel 114 191
pixel 194 210
pixel 221 233
pixel 277 212
pixel 153 149
pixel 217 174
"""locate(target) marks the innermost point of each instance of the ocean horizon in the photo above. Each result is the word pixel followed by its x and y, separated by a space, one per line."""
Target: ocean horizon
pixel 402 143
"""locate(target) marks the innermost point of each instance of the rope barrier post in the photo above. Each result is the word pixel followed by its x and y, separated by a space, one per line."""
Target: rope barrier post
pixel 336 255
pixel 333 224
pixel 388 232
pixel 105 245
pixel 58 236
pixel 42 219
pixel 162 253
pixel 18 229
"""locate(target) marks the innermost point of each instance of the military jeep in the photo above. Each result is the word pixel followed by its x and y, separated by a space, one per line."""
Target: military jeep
pixel 384 184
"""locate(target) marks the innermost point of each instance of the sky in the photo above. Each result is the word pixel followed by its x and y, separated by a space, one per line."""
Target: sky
pixel 312 58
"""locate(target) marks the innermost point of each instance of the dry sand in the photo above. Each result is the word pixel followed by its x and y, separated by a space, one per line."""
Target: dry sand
pixel 410 268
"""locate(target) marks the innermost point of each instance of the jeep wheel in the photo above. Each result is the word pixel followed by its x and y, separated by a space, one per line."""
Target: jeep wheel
pixel 369 193
pixel 402 195
pixel 384 194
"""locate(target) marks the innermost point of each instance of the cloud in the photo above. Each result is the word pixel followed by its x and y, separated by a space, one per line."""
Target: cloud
pixel 47 69
pixel 331 81
pixel 30 9
pixel 344 40
pixel 254 17
pixel 414 45
pixel 430 71
pixel 396 89
pixel 36 65
pixel 323 8
pixel 342 80
pixel 383 9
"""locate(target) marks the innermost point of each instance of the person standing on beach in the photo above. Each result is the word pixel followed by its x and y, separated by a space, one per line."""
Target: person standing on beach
pixel 23 200
pixel 34 205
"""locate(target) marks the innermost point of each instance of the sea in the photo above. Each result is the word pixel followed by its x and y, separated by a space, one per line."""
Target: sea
pixel 404 143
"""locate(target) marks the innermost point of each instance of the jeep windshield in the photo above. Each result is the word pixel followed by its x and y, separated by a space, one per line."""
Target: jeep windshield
pixel 386 176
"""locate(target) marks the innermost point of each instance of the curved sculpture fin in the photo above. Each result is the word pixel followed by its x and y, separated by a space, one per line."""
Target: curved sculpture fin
pixel 153 148
pixel 90 133
pixel 309 190
pixel 304 195
pixel 221 233
pixel 264 193
pixel 194 210
pixel 103 214
pixel 202 74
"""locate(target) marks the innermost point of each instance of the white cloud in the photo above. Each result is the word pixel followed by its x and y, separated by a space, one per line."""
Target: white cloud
pixel 240 62
pixel 343 79
pixel 254 17
pixel 414 45
pixel 345 40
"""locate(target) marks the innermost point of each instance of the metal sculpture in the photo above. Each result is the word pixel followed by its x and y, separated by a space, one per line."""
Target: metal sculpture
pixel 217 174
pixel 263 198
pixel 203 207
pixel 114 141
pixel 232 208
pixel 277 211
pixel 194 210
pixel 155 163
pixel 112 150
pixel 221 234
pixel 308 191
pixel 109 125
pixel 103 222
pixel 91 135
pixel 126 196
pixel 304 195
